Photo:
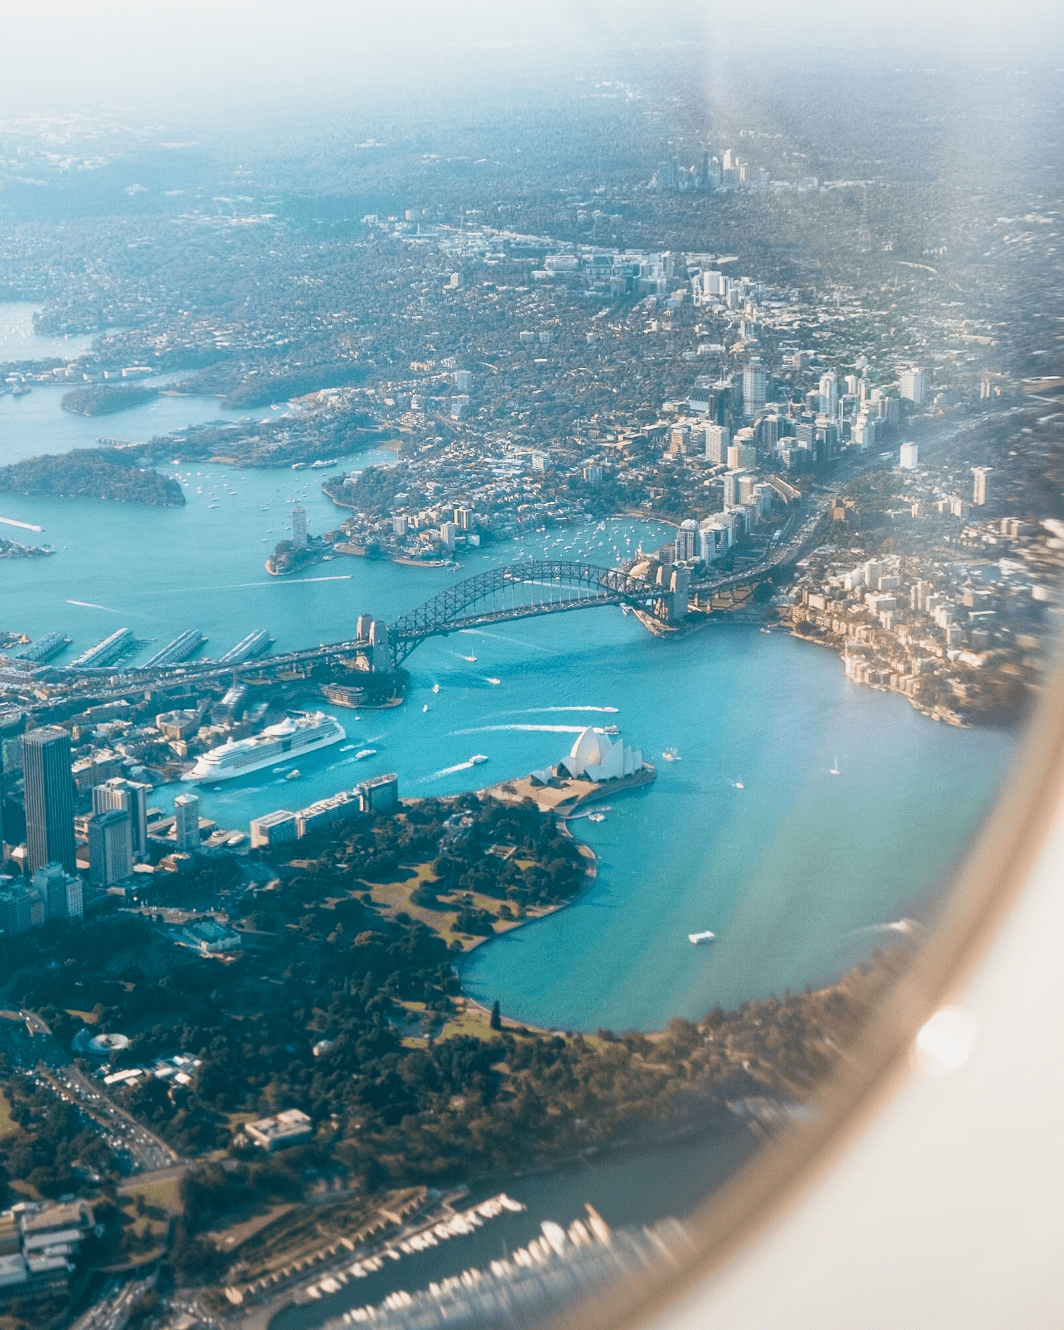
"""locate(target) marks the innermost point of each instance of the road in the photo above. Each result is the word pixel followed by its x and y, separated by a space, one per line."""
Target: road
pixel 113 1309
pixel 121 1132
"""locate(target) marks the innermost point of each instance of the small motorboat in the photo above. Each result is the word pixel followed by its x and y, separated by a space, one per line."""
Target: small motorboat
pixel 700 939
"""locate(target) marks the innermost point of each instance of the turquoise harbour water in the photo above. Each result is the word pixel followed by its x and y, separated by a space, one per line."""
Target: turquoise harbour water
pixel 798 872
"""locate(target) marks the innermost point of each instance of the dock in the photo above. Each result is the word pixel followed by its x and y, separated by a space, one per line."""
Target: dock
pixel 176 651
pixel 255 644
pixel 44 648
pixel 119 644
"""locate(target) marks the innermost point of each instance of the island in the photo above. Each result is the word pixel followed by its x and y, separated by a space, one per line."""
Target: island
pixel 104 399
pixel 92 473
pixel 13 549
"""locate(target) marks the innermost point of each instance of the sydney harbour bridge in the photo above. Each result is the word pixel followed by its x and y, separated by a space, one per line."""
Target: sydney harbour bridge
pixel 524 590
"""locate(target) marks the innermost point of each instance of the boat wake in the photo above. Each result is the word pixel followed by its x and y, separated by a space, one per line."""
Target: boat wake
pixel 445 771
pixel 536 711
pixel 545 729
pixel 907 927
pixel 512 641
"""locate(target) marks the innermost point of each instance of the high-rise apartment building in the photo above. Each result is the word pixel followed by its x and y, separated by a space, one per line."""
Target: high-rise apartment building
pixel 186 822
pixel 718 437
pixel 132 797
pixel 909 459
pixel 110 847
pixel 49 795
pixel 755 388
pixel 299 527
pixel 913 385
pixel 981 489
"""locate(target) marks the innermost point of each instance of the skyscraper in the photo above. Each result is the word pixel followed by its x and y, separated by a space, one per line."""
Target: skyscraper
pixel 59 893
pixel 110 847
pixel 829 393
pixel 49 794
pixel 755 388
pixel 186 822
pixel 130 795
pixel 299 527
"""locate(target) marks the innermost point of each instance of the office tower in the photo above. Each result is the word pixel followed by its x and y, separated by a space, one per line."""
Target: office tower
pixel 110 847
pixel 910 456
pixel 15 911
pixel 130 795
pixel 299 527
pixel 981 492
pixel 718 437
pixel 186 822
pixel 49 793
pixel 755 388
pixel 913 385
pixel 829 393
pixel 741 456
pixel 58 892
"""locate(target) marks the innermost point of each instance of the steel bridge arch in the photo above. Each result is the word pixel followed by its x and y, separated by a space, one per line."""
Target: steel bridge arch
pixel 587 584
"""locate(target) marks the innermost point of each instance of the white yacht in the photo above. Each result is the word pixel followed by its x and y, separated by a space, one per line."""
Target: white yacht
pixel 700 939
pixel 300 732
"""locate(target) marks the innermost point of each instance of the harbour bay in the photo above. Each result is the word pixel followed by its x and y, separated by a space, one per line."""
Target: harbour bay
pixel 798 873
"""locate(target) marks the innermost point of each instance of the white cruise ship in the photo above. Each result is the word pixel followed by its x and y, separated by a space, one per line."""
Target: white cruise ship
pixel 299 733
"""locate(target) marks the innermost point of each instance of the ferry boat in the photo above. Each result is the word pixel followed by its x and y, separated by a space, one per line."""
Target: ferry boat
pixel 299 732
pixel 700 939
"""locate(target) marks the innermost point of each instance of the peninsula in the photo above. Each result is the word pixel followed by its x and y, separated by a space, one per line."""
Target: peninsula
pixel 92 473
pixel 104 399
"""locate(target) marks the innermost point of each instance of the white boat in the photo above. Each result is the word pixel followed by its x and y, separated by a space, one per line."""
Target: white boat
pixel 739 784
pixel 471 659
pixel 477 758
pixel 835 768
pixel 424 708
pixel 700 939
pixel 596 817
pixel 435 687
pixel 671 755
pixel 493 681
pixel 347 748
pixel 365 752
pixel 299 732
pixel 293 774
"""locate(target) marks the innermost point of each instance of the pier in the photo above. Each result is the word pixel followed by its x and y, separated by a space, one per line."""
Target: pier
pixel 112 648
pixel 176 651
pixel 255 644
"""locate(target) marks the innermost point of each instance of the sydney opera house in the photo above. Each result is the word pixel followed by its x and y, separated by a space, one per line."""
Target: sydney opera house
pixel 594 757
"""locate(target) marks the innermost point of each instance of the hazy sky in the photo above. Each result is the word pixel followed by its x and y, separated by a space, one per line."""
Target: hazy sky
pixel 173 53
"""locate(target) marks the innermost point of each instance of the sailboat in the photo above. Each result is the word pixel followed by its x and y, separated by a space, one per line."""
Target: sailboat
pixel 835 768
